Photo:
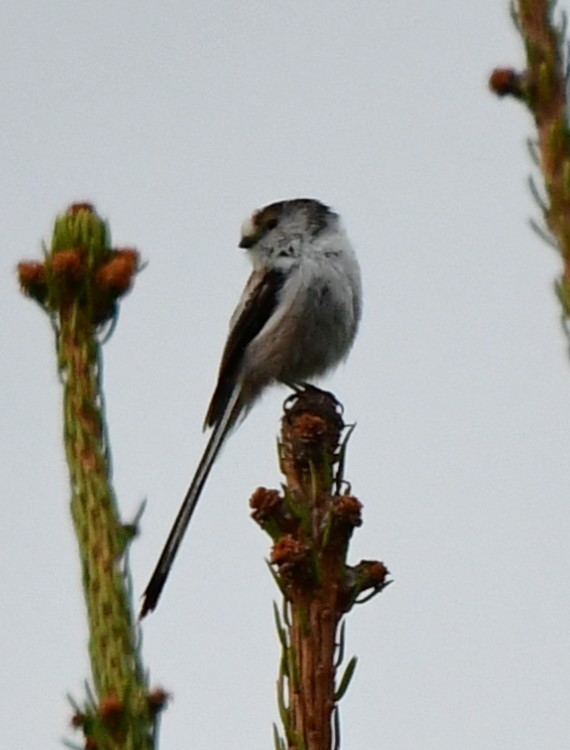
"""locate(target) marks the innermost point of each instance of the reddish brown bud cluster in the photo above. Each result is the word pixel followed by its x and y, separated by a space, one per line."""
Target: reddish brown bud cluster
pixel 77 720
pixel 264 502
pixel 31 273
pixel 66 277
pixel 348 510
pixel 76 208
pixel 80 269
pixel 117 275
pixel 272 513
pixel 289 553
pixel 311 429
pixel 374 571
pixel 111 711
pixel 32 276
pixel 67 265
pixel 368 575
pixel 111 718
pixel 157 700
pixel 507 82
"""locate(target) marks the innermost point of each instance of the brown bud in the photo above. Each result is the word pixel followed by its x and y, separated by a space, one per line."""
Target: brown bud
pixel 157 700
pixel 507 82
pixel 32 277
pixel 311 414
pixel 67 264
pixel 309 427
pixel 76 208
pixel 116 276
pixel 288 551
pixel 348 510
pixel 111 709
pixel 128 254
pixel 77 720
pixel 371 573
pixel 377 572
pixel 30 273
pixel 264 499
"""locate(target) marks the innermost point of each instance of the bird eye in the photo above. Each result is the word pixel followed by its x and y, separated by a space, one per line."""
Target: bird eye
pixel 287 252
pixel 271 224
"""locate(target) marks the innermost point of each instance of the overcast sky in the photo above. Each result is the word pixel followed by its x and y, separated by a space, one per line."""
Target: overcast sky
pixel 176 120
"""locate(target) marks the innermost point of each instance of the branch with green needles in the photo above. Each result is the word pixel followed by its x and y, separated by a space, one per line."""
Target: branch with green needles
pixel 79 285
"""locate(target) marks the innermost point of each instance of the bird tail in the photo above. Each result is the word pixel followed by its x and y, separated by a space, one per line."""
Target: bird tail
pixel 158 579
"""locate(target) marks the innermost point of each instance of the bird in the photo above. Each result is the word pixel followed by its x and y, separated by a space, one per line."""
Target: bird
pixel 296 320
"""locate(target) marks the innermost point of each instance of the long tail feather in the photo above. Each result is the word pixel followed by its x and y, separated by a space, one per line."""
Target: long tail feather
pixel 158 579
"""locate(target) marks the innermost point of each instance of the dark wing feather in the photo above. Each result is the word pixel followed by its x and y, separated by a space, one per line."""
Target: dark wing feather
pixel 260 300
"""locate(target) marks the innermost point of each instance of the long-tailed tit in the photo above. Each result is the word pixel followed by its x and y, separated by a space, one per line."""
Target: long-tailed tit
pixel 296 319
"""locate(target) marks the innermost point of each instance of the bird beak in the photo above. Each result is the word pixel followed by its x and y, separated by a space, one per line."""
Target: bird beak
pixel 247 242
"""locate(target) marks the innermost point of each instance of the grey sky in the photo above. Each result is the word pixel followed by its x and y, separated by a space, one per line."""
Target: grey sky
pixel 177 120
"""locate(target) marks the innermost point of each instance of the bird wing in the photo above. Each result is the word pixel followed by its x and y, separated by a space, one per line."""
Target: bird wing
pixel 256 306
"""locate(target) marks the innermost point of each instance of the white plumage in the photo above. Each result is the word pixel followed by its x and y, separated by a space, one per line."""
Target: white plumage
pixel 296 319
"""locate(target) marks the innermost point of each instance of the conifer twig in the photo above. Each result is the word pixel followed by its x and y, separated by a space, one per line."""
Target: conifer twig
pixel 543 87
pixel 311 522
pixel 79 285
